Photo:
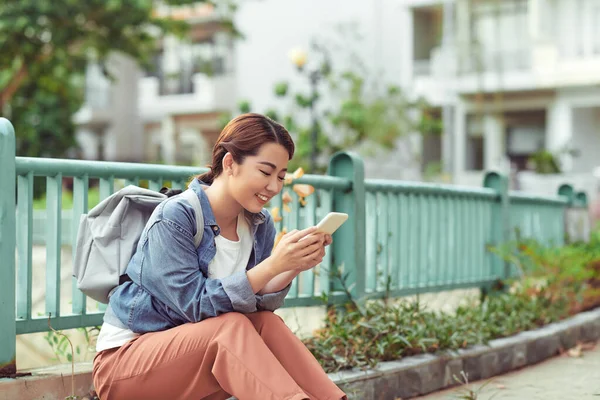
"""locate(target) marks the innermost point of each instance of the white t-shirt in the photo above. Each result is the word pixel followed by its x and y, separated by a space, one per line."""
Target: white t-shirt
pixel 230 257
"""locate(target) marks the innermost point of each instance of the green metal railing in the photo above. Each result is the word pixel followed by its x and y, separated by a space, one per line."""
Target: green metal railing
pixel 535 217
pixel 105 175
pixel 427 237
pixel 401 237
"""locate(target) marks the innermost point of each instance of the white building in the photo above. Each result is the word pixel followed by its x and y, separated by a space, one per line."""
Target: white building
pixel 170 113
pixel 175 117
pixel 512 78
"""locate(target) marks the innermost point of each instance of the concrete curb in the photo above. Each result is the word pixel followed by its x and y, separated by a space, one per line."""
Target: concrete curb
pixel 52 383
pixel 410 377
pixel 419 375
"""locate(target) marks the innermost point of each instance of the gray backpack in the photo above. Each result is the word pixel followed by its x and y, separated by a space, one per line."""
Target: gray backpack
pixel 109 233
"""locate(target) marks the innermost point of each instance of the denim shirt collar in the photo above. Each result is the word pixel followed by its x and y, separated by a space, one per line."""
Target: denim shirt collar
pixel 209 217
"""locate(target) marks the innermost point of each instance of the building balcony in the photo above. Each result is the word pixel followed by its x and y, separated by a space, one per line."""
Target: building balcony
pixel 202 93
pixel 538 67
pixel 553 69
pixel 97 109
pixel 434 78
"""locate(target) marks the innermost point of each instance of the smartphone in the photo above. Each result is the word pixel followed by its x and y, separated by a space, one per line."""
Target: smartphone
pixel 331 222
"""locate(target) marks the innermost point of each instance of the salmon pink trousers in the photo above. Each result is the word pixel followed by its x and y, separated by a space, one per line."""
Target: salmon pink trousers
pixel 249 356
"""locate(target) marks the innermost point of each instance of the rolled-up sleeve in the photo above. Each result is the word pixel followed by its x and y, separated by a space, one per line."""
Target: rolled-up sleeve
pixel 238 289
pixel 172 274
pixel 270 301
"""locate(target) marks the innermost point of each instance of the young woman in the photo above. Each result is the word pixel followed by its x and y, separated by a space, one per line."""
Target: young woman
pixel 198 323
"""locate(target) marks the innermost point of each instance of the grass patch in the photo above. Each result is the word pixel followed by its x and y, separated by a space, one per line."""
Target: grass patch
pixel 381 332
pixel 552 283
pixel 67 200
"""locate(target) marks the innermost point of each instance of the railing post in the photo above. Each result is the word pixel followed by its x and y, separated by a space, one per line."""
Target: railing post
pixel 577 219
pixel 501 225
pixel 581 199
pixel 8 331
pixel 567 191
pixel 349 241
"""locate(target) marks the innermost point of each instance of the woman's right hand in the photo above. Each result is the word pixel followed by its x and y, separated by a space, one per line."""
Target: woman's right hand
pixel 296 249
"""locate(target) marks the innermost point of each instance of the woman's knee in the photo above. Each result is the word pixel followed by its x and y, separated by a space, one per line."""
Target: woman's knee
pixel 240 321
pixel 265 318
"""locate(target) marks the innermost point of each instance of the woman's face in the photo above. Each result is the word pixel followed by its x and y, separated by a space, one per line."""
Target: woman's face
pixel 258 178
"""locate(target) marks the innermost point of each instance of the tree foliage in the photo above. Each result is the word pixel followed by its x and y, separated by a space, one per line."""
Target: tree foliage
pixel 46 46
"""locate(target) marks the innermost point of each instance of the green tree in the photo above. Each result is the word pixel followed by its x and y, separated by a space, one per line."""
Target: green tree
pixel 353 109
pixel 46 46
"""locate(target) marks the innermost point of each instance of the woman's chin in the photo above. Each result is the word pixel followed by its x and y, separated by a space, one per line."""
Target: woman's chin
pixel 254 208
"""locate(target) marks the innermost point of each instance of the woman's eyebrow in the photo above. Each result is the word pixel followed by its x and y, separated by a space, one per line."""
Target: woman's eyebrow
pixel 270 165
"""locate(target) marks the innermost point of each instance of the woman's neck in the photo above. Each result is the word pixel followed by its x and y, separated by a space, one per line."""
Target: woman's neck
pixel 224 207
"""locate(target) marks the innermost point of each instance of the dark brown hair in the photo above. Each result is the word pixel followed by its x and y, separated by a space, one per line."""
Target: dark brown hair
pixel 242 137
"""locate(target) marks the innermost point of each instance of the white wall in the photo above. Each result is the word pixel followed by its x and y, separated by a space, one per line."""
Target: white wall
pixel 586 138
pixel 273 27
pixel 569 126
pixel 123 141
pixel 88 143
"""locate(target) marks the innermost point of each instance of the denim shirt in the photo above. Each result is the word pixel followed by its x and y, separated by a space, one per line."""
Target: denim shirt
pixel 169 277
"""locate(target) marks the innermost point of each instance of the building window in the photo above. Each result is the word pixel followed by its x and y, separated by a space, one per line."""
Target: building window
pixel 522 142
pixel 578 29
pixel 475 143
pixel 176 65
pixel 209 57
pixel 596 25
pixel 156 61
pixel 427 36
pixel 524 136
pixel 499 36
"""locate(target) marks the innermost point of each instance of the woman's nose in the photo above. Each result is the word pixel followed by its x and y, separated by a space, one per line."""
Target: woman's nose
pixel 273 186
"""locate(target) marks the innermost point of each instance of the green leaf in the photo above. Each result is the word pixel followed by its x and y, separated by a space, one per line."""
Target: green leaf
pixel 244 106
pixel 271 113
pixel 281 89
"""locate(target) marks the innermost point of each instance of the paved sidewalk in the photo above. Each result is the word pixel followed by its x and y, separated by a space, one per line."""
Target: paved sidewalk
pixel 561 378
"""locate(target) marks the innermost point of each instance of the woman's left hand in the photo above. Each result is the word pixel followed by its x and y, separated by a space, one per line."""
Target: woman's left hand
pixel 326 240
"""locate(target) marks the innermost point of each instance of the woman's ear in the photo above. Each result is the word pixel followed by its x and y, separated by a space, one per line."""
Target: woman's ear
pixel 228 164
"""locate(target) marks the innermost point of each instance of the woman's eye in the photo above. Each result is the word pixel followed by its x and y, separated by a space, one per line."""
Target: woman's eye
pixel 281 178
pixel 265 173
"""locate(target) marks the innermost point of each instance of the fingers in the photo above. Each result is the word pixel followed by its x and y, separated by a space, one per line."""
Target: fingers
pixel 312 260
pixel 309 240
pixel 313 248
pixel 296 235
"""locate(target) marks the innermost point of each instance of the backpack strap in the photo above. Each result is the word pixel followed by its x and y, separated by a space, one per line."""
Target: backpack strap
pixel 192 198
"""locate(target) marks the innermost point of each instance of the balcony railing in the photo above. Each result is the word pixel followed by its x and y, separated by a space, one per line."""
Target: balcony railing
pixel 475 61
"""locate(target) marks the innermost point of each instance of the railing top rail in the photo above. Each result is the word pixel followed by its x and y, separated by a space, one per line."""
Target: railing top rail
pixel 429 188
pixel 101 169
pixel 325 182
pixel 125 170
pixel 522 197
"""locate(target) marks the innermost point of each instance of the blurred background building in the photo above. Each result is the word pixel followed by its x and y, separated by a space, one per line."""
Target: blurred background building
pixel 515 83
pixel 168 113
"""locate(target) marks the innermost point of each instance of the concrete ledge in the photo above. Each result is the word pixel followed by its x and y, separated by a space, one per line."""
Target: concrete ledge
pixel 415 376
pixel 52 383
pixel 406 378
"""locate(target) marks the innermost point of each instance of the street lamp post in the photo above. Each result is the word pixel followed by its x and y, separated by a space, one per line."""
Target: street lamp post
pixel 298 58
pixel 314 134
